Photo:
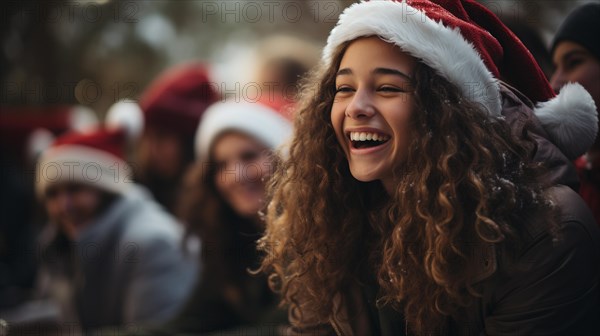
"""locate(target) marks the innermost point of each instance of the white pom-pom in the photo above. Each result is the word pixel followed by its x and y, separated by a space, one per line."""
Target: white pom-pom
pixel 82 118
pixel 38 141
pixel 570 119
pixel 128 115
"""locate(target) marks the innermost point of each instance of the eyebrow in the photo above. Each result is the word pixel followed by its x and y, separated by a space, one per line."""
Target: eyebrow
pixel 377 71
pixel 344 71
pixel 572 53
pixel 388 71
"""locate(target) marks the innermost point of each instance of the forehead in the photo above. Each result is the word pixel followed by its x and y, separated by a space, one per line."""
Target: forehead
pixel 231 141
pixel 73 188
pixel 372 52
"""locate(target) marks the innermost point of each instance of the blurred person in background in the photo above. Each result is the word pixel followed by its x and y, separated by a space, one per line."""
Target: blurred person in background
pixel 283 60
pixel 224 192
pixel 576 55
pixel 172 107
pixel 110 255
pixel 20 143
pixel 279 79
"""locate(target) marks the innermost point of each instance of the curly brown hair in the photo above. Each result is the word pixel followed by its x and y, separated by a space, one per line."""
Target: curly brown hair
pixel 467 179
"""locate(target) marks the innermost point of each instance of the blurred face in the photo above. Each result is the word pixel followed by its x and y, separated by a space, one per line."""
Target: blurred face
pixel 372 108
pixel 161 153
pixel 72 206
pixel 575 64
pixel 243 164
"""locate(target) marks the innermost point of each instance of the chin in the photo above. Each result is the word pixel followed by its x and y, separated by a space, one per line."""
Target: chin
pixel 248 211
pixel 363 178
pixel 364 175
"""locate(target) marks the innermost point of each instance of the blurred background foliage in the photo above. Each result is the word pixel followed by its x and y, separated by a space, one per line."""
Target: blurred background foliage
pixel 95 52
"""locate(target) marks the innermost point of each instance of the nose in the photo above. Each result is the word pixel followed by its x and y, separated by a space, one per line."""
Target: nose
pixel 64 200
pixel 59 202
pixel 557 80
pixel 361 105
pixel 233 173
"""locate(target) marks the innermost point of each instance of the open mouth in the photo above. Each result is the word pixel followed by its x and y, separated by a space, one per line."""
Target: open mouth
pixel 360 140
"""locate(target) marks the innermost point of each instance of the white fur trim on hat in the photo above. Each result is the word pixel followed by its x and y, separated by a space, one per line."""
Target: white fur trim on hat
pixel 440 47
pixel 82 164
pixel 570 119
pixel 254 119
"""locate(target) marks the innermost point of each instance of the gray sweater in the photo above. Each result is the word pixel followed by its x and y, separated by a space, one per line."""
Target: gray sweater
pixel 129 268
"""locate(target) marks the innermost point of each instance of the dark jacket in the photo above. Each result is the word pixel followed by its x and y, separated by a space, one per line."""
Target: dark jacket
pixel 551 288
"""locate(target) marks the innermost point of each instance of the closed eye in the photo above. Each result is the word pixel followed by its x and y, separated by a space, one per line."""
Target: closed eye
pixel 344 89
pixel 390 89
pixel 572 63
pixel 249 156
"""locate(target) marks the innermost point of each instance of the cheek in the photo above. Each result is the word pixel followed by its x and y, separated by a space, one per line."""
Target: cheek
pixel 51 207
pixel 87 203
pixel 337 120
pixel 221 183
pixel 167 153
pixel 265 170
pixel 144 149
pixel 590 79
pixel 587 75
pixel 401 119
pixel 251 172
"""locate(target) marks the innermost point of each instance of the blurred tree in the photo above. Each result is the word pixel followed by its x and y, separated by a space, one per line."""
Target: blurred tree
pixel 95 52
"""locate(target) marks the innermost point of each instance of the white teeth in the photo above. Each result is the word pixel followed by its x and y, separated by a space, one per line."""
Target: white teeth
pixel 364 136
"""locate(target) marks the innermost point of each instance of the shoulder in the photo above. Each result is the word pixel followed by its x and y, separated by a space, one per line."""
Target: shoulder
pixel 152 240
pixel 575 226
pixel 571 250
pixel 149 226
pixel 574 216
pixel 551 285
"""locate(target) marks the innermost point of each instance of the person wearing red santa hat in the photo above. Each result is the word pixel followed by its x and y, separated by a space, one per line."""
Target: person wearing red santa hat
pixel 21 138
pixel 425 193
pixel 172 106
pixel 236 148
pixel 116 256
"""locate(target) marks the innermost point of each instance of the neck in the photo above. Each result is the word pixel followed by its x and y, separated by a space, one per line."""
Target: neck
pixel 390 184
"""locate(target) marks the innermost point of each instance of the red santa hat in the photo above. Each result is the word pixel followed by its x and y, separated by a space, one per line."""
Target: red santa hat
pixel 94 157
pixel 469 46
pixel 176 100
pixel 255 119
pixel 19 125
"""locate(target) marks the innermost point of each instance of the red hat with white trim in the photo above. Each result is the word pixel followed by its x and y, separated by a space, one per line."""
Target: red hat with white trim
pixel 95 157
pixel 255 119
pixel 18 124
pixel 176 100
pixel 469 46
